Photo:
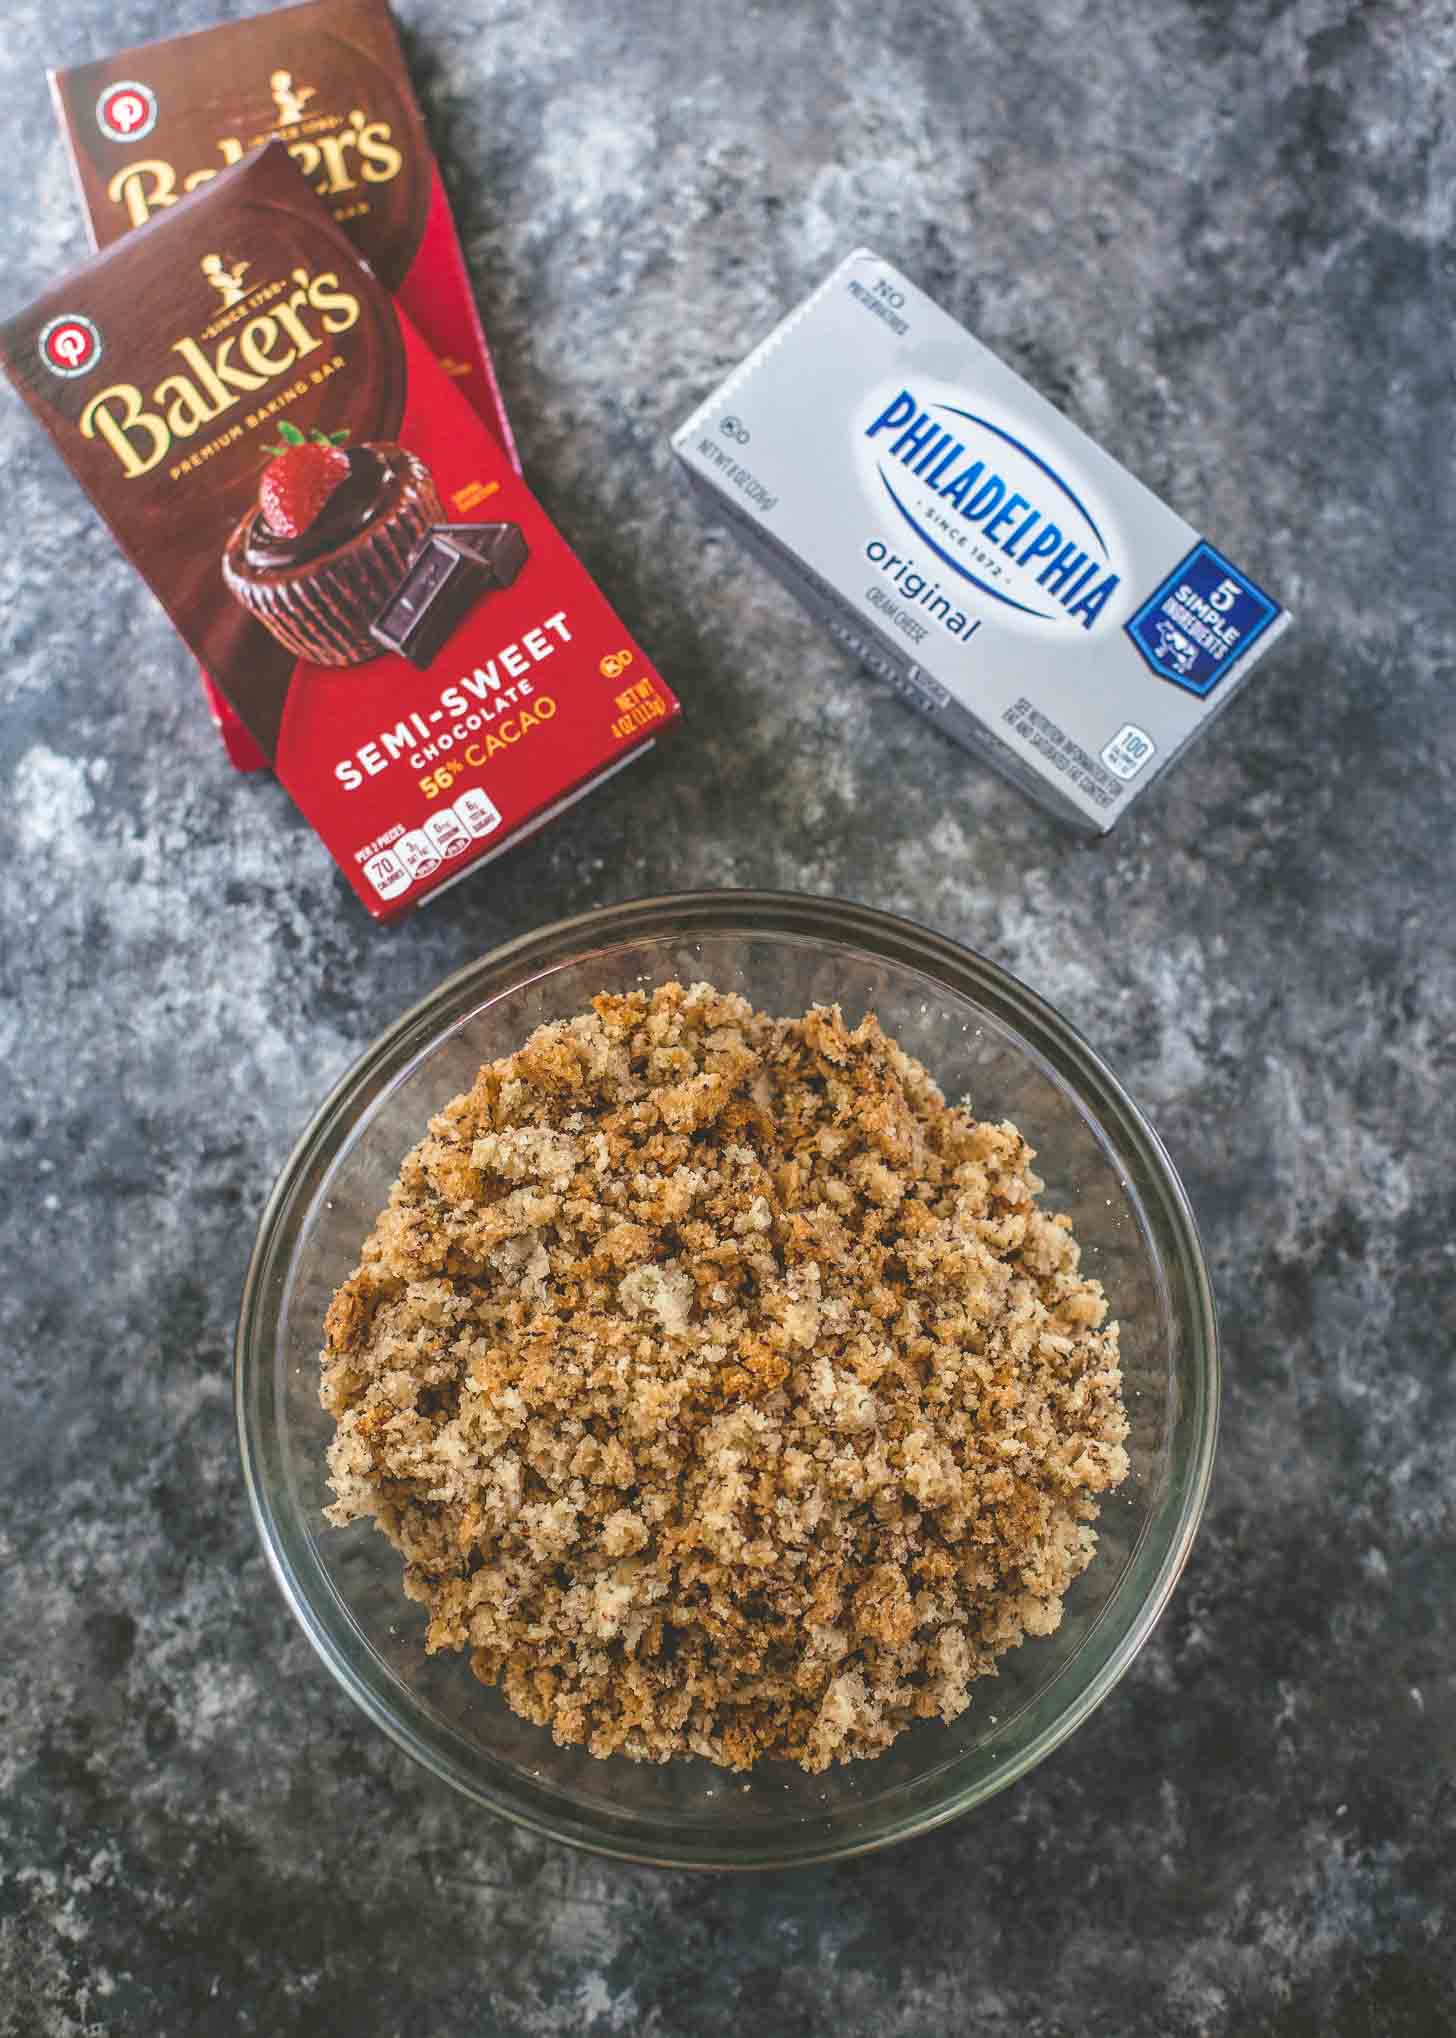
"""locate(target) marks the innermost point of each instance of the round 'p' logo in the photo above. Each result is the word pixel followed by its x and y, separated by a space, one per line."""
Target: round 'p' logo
pixel 70 344
pixel 126 111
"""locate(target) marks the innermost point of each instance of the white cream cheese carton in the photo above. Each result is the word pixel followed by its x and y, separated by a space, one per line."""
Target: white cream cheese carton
pixel 974 548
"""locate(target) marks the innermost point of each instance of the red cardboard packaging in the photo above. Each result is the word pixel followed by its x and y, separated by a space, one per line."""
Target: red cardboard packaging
pixel 342 543
pixel 328 77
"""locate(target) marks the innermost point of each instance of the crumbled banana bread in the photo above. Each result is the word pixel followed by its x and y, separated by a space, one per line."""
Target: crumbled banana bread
pixel 725 1391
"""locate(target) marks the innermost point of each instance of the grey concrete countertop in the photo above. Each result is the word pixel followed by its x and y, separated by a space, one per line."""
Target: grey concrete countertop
pixel 1221 236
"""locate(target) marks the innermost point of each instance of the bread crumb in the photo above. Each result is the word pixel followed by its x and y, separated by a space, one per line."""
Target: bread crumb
pixel 725 1391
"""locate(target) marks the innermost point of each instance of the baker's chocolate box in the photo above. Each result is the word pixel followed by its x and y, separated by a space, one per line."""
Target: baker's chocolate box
pixel 335 533
pixel 149 124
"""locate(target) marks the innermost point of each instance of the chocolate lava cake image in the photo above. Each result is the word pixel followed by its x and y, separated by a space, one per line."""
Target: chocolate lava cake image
pixel 328 542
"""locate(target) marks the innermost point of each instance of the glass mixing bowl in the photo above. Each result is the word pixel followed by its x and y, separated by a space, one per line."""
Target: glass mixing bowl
pixel 982 1035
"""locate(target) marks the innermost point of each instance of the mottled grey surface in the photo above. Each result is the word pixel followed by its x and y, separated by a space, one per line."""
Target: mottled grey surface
pixel 1220 234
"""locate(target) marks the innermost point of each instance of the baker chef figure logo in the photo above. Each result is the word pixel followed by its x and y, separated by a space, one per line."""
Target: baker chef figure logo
pixel 290 99
pixel 126 111
pixel 69 345
pixel 226 277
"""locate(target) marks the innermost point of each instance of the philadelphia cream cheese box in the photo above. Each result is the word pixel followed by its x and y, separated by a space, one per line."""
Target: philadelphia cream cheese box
pixel 974 548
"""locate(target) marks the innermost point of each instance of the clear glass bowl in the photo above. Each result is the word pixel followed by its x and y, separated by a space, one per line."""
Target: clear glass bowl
pixel 982 1035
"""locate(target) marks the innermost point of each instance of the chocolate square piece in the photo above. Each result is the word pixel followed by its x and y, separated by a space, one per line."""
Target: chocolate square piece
pixel 440 585
pixel 500 548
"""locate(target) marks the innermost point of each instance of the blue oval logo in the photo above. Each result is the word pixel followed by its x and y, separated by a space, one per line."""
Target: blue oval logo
pixel 992 509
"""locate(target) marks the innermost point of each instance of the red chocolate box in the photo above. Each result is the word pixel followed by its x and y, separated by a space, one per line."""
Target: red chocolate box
pixel 151 123
pixel 337 536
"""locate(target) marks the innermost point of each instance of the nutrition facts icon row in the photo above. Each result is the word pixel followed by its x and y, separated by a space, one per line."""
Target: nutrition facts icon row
pixel 420 852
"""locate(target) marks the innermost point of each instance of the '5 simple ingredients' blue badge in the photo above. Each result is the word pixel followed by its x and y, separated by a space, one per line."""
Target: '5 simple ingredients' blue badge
pixel 1201 621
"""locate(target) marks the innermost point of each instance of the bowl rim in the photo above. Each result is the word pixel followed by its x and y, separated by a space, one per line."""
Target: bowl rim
pixel 762 914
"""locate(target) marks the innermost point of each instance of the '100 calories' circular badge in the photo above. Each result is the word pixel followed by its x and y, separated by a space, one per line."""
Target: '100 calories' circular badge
pixel 126 111
pixel 70 344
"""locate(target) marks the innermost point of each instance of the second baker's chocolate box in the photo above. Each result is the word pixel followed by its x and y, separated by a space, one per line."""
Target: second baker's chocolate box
pixel 334 532
pixel 149 124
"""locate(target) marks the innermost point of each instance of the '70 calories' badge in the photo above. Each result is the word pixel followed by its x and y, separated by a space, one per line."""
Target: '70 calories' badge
pixel 1200 622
